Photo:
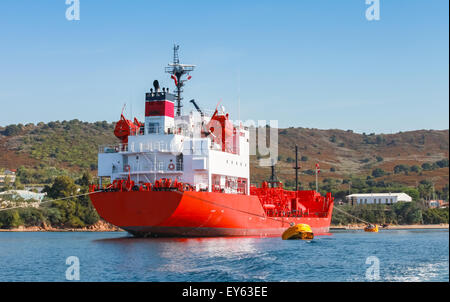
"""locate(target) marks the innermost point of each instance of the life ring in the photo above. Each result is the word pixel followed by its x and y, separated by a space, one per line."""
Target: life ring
pixel 171 166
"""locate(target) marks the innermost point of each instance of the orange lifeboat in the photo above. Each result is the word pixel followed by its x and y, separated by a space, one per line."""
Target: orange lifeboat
pixel 371 228
pixel 125 128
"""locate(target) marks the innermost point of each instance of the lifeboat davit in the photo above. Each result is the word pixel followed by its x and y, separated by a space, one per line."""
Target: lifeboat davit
pixel 298 231
pixel 125 128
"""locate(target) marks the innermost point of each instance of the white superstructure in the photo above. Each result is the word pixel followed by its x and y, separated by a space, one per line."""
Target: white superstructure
pixel 178 148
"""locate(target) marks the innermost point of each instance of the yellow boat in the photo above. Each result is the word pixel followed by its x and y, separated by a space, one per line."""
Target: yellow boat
pixel 298 231
pixel 371 228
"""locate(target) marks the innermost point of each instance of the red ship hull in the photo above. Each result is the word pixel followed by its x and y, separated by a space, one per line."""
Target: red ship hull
pixel 197 214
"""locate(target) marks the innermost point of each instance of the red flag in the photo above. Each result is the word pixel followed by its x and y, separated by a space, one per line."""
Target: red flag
pixel 175 79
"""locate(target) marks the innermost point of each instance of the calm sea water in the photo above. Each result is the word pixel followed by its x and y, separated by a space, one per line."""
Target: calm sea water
pixel 402 255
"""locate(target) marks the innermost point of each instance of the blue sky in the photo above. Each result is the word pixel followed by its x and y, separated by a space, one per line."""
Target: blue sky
pixel 316 64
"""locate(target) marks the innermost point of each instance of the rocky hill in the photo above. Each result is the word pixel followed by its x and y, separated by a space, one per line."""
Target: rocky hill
pixel 342 154
pixel 406 157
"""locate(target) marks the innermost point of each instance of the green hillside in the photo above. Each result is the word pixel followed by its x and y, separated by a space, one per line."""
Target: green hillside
pixel 43 151
pixel 63 157
pixel 367 161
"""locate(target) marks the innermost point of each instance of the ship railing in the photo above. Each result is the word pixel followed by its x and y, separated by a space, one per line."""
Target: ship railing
pixel 148 171
pixel 140 131
pixel 148 167
pixel 159 146
pixel 169 130
pixel 152 147
pixel 113 148
pixel 179 131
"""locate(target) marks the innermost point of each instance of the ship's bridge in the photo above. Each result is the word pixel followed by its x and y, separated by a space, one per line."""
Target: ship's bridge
pixel 177 154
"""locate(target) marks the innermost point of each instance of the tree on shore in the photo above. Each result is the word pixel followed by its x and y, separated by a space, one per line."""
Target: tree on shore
pixel 73 212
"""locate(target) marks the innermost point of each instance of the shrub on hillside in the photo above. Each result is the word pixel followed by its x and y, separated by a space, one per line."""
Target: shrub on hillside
pixel 378 172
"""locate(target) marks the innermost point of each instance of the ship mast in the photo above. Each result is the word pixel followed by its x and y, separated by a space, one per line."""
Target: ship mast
pixel 177 72
pixel 273 178
pixel 297 167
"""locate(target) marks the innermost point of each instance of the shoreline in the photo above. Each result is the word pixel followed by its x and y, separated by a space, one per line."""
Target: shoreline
pixel 99 226
pixel 55 230
pixel 392 227
pixel 103 226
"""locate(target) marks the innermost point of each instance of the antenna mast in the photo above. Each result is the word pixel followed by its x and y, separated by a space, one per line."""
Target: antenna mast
pixel 177 72
pixel 297 167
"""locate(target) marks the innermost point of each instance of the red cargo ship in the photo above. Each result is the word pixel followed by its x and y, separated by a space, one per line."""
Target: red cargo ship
pixel 189 175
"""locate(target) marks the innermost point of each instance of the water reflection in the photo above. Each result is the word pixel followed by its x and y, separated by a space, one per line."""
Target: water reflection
pixel 182 255
pixel 226 247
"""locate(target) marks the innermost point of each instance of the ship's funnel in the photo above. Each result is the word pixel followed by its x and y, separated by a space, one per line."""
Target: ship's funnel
pixel 156 85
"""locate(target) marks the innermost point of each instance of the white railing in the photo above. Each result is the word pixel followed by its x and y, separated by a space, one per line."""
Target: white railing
pixel 142 147
pixel 160 146
pixel 113 148
pixel 170 130
pixel 147 168
pixel 152 147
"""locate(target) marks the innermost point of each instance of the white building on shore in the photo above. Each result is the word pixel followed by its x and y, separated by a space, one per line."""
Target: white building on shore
pixel 378 198
pixel 20 198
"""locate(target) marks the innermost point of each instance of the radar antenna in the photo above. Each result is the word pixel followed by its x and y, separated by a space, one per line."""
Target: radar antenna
pixel 177 72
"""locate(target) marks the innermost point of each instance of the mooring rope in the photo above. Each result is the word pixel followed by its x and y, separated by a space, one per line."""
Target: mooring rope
pixel 72 196
pixel 342 211
pixel 89 193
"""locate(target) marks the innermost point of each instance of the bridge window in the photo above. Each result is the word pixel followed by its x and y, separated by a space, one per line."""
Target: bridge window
pixel 153 128
pixel 180 162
